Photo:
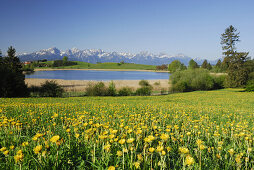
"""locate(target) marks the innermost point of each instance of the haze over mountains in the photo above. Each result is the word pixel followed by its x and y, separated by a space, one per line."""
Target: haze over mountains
pixel 98 55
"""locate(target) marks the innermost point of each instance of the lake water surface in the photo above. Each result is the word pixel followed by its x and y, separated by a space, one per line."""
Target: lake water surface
pixel 98 75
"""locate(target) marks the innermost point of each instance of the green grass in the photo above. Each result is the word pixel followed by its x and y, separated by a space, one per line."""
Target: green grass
pixel 195 130
pixel 85 65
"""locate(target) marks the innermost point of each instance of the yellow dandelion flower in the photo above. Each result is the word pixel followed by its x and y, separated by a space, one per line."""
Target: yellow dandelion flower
pixel 111 168
pixel 164 136
pixel 130 140
pixel 199 142
pixel 18 157
pixel 37 149
pixel 77 135
pixel 151 150
pixel 121 141
pixel 231 151
pixel 3 149
pixel 6 152
pixel 202 147
pixel 169 149
pixel 54 139
pixel 107 147
pixel 114 131
pixel 184 150
pixel 189 160
pixel 137 165
pixel 140 157
pixel 159 148
pixel 119 153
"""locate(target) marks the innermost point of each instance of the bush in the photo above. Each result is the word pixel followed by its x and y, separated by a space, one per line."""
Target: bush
pixel 250 86
pixel 195 79
pixel 144 83
pixel 125 91
pixel 219 81
pixel 51 89
pixel 98 89
pixel 111 91
pixel 144 91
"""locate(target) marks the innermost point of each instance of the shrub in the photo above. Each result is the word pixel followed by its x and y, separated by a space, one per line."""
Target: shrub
pixel 250 86
pixel 34 90
pixel 51 89
pixel 144 91
pixel 251 76
pixel 144 83
pixel 98 89
pixel 125 91
pixel 195 79
pixel 219 81
pixel 111 91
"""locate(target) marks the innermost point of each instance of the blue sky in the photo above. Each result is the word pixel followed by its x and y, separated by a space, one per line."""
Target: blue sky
pixel 191 27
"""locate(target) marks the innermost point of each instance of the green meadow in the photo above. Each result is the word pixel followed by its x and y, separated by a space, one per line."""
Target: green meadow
pixel 195 130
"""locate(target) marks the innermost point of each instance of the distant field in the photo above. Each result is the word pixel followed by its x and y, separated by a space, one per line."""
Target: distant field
pixel 84 65
pixel 195 130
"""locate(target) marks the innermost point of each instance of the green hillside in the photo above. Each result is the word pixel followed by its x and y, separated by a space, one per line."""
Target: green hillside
pixel 85 65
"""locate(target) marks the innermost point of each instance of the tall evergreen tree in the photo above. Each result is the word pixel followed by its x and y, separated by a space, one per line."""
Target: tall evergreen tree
pixel 228 40
pixel 209 67
pixel 233 60
pixel 204 64
pixel 193 64
pixel 218 64
pixel 12 82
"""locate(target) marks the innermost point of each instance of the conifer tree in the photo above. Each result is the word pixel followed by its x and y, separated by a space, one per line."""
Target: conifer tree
pixel 193 64
pixel 233 61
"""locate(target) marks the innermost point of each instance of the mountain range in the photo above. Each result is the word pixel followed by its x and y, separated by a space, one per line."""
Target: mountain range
pixel 98 55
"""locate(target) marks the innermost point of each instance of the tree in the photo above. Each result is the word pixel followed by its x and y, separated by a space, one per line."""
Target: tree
pixel 65 60
pixel 205 64
pixel 233 61
pixel 218 64
pixel 209 67
pixel 176 65
pixel 228 40
pixel 12 82
pixel 237 72
pixel 193 64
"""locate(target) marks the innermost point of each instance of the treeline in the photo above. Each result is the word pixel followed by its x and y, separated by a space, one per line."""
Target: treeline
pixel 239 69
pixel 56 63
pixel 63 62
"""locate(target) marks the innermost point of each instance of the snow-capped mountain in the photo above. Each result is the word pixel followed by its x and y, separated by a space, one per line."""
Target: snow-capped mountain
pixel 98 55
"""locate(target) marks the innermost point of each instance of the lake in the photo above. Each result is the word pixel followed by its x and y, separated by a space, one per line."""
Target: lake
pixel 98 75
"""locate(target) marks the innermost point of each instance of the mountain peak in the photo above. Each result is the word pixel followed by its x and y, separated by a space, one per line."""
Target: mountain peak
pixel 98 55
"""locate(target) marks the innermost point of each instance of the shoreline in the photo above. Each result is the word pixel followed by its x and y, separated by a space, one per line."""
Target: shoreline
pixel 81 85
pixel 54 69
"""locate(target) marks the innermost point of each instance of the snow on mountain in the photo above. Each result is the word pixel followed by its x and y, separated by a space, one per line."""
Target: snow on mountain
pixel 98 55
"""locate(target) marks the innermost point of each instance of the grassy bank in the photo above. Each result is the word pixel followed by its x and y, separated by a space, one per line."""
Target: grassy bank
pixel 199 130
pixel 84 65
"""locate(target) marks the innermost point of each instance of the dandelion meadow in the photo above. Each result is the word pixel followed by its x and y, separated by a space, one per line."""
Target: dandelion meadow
pixel 196 130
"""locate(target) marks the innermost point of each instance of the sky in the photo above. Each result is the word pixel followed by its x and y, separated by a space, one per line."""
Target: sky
pixel 190 27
